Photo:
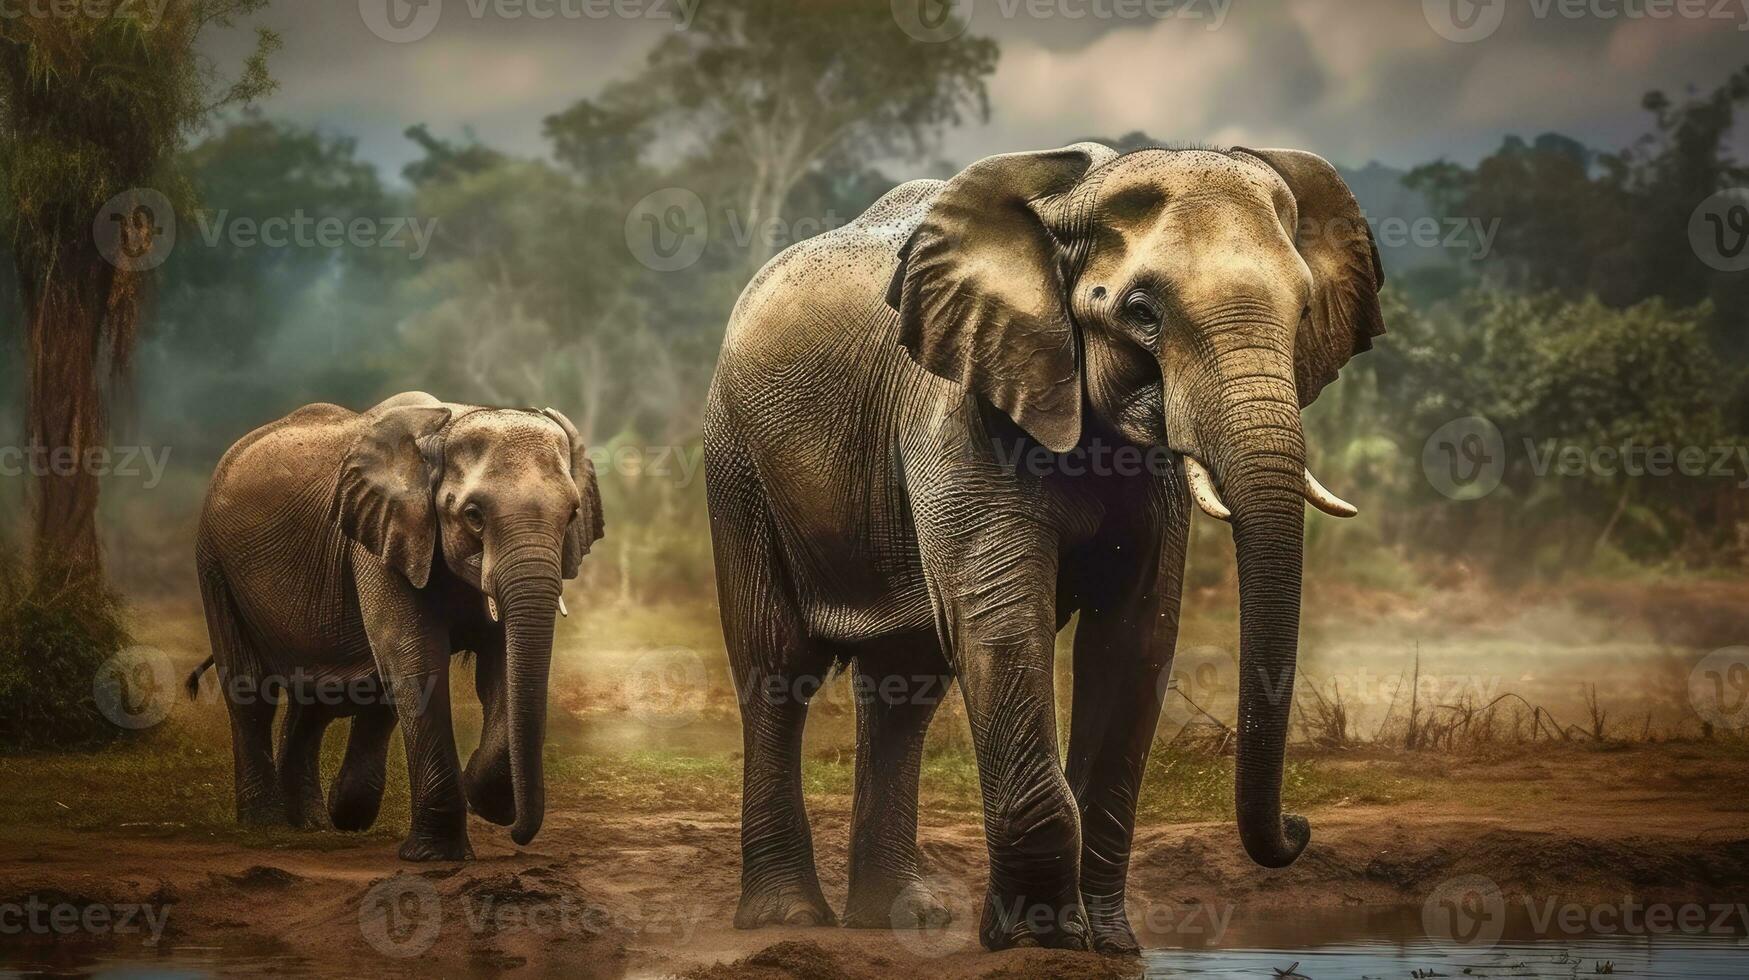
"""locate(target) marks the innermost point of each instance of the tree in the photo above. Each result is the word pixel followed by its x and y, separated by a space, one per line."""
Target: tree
pixel 93 106
pixel 770 89
pixel 1611 224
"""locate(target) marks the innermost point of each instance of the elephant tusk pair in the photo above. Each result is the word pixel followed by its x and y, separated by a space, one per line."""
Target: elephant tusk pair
pixel 1202 490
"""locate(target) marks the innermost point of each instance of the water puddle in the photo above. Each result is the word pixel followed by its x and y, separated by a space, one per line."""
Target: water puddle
pixel 1392 944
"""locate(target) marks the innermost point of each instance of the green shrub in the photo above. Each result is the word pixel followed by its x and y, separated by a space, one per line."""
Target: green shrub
pixel 55 635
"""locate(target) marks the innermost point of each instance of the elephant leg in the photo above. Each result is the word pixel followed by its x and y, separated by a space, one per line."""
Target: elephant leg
pixel 1124 645
pixel 894 703
pixel 776 670
pixel 300 763
pixel 412 654
pixel 260 800
pixel 486 783
pixel 356 795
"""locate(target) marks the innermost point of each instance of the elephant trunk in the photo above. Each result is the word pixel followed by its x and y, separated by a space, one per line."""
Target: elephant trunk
pixel 1259 453
pixel 528 584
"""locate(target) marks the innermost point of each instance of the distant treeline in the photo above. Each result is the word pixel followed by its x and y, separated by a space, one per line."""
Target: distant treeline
pixel 1564 301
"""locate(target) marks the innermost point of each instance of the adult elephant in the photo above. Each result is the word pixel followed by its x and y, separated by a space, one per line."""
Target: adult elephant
pixel 344 557
pixel 915 445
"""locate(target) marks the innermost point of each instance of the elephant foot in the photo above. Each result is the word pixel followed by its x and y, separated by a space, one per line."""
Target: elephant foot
pixel 1112 935
pixel 355 811
pixel 266 813
pixel 418 848
pixel 1013 920
pixel 493 799
pixel 787 905
pixel 906 903
pixel 311 817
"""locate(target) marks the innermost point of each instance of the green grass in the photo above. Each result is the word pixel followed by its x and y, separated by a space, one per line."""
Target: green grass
pixel 175 782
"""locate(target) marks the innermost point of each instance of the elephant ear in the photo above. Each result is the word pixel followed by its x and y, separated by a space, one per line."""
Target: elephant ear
pixel 586 527
pixel 384 501
pixel 1336 244
pixel 981 289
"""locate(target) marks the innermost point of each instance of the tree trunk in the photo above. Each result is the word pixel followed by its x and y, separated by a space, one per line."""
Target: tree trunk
pixel 66 302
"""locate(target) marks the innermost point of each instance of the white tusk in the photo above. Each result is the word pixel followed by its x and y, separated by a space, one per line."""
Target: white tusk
pixel 1202 488
pixel 562 610
pixel 1326 501
pixel 492 608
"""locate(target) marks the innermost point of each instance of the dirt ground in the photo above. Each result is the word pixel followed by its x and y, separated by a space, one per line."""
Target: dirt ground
pixel 608 893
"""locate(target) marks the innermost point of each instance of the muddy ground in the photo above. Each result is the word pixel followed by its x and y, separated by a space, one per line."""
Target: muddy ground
pixel 610 889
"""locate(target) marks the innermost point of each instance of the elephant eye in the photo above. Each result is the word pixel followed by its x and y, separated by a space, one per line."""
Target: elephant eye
pixel 476 520
pixel 1141 310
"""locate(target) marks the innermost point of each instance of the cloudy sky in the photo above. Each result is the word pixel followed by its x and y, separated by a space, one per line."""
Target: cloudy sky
pixel 1399 81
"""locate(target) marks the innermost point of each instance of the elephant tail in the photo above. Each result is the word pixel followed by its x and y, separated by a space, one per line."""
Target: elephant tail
pixel 192 685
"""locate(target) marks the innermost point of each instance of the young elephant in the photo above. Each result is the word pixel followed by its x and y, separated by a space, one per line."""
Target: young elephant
pixel 318 556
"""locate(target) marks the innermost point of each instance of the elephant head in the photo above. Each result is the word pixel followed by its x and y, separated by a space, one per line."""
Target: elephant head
pixel 1191 299
pixel 509 499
